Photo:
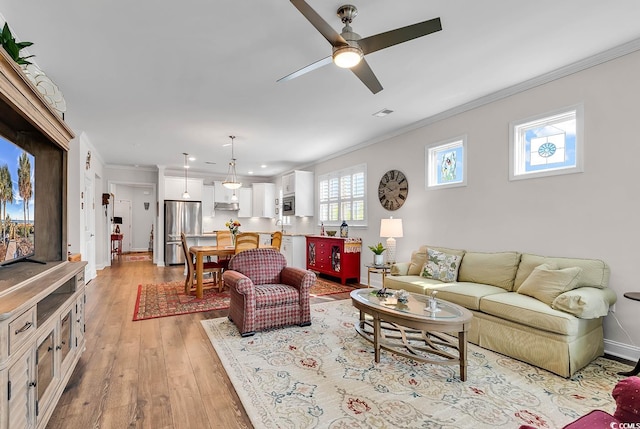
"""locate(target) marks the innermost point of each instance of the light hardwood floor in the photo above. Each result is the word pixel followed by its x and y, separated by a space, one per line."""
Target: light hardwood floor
pixel 158 374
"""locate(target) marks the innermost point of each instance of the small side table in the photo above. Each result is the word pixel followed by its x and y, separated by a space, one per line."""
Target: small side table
pixel 635 296
pixel 377 269
pixel 116 245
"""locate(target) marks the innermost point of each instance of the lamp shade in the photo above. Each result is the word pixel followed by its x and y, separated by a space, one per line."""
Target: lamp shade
pixel 390 227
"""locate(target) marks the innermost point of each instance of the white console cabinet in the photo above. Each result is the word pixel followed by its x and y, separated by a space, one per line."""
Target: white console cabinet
pixel 41 339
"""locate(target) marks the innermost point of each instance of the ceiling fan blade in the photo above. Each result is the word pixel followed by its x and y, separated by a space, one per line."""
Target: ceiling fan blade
pixel 307 69
pixel 320 24
pixel 365 74
pixel 384 40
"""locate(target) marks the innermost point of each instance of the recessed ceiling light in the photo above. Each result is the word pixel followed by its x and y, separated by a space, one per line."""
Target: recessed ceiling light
pixel 192 158
pixel 383 112
pixel 249 172
pixel 263 166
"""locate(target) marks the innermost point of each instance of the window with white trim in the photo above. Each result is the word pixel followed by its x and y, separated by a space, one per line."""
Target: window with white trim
pixel 446 163
pixel 547 144
pixel 342 196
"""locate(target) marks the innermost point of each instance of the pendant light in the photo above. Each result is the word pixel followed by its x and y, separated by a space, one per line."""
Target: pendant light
pixel 186 167
pixel 231 182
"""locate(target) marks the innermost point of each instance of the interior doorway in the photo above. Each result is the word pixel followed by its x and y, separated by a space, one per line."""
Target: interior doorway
pixel 136 203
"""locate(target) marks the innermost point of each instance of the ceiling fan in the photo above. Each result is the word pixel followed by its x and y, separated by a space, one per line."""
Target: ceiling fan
pixel 349 48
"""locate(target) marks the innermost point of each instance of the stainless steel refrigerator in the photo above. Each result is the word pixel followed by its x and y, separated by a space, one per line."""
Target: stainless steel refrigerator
pixel 180 217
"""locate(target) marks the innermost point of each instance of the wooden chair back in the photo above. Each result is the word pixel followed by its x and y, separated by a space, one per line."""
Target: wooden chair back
pixel 188 258
pixel 247 240
pixel 208 267
pixel 223 238
pixel 276 240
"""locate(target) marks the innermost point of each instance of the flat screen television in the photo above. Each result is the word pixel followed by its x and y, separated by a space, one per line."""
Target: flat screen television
pixel 17 207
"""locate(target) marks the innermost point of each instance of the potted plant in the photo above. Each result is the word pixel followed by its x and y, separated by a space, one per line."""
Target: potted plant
pixel 378 258
pixel 12 47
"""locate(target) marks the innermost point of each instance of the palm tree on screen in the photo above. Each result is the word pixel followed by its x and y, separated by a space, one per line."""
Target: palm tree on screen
pixel 24 187
pixel 6 194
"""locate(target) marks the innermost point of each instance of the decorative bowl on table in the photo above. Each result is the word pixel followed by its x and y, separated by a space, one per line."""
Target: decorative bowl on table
pixel 331 233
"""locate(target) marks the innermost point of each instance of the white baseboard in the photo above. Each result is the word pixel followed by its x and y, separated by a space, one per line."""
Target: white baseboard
pixel 621 350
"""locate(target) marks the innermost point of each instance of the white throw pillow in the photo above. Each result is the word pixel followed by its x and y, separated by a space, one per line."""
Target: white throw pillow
pixel 546 283
pixel 441 266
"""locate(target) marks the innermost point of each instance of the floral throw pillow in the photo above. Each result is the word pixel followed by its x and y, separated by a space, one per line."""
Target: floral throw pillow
pixel 441 266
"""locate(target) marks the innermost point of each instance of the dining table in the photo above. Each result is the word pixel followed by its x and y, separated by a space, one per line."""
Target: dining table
pixel 200 252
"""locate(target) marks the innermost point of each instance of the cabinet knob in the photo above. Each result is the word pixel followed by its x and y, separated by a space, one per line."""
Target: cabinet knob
pixel 32 384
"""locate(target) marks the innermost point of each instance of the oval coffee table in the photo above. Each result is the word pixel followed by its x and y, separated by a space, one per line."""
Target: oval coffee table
pixel 411 331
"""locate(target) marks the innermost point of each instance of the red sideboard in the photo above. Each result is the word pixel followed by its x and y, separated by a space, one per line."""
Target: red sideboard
pixel 334 256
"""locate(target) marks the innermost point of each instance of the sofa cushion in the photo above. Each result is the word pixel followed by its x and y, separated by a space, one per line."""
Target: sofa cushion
pixel 595 273
pixel 441 266
pixel 546 282
pixel 496 269
pixel 529 311
pixel 419 257
pixel 415 284
pixel 585 302
pixel 467 295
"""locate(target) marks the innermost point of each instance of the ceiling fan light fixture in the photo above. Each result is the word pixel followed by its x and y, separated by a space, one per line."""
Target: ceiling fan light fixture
pixel 347 56
pixel 231 182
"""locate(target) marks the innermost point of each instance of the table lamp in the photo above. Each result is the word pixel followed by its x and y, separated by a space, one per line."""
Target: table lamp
pixel 391 228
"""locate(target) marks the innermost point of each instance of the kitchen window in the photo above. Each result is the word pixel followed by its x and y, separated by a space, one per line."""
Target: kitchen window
pixel 342 196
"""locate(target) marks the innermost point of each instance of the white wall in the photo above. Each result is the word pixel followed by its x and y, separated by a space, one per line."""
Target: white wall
pixel 591 214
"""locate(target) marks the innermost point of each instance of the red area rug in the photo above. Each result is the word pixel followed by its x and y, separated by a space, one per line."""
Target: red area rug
pixel 169 299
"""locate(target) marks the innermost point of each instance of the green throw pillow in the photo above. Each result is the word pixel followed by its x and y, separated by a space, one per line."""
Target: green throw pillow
pixel 441 266
pixel 545 283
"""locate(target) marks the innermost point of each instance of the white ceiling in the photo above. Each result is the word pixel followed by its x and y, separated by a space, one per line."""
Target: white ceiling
pixel 148 80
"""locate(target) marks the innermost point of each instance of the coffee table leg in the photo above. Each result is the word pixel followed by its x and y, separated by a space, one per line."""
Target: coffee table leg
pixel 376 337
pixel 462 347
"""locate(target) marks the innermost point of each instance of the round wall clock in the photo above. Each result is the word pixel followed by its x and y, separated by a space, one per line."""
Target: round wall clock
pixel 393 189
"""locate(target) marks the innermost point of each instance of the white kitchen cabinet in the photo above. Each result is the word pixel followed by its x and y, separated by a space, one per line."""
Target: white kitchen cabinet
pixel 293 249
pixel 300 185
pixel 174 188
pixel 207 201
pixel 263 198
pixel 245 197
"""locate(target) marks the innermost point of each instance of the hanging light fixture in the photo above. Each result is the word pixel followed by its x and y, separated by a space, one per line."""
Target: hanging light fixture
pixel 231 182
pixel 186 167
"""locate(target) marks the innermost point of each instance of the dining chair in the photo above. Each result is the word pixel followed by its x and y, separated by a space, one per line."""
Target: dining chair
pixel 207 267
pixel 223 238
pixel 276 240
pixel 246 241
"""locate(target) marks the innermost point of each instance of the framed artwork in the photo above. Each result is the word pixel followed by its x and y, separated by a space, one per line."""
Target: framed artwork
pixel 446 163
pixel 547 145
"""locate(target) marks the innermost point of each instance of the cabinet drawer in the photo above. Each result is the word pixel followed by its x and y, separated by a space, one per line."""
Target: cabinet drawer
pixel 20 328
pixel 79 279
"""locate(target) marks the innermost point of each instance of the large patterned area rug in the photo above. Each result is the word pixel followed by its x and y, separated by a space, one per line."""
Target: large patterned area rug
pixel 169 299
pixel 324 376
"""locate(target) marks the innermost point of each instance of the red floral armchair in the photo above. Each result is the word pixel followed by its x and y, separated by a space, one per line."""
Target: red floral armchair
pixel 265 293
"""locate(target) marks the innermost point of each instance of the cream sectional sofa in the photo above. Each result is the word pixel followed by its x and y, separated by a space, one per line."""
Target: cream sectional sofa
pixel 561 336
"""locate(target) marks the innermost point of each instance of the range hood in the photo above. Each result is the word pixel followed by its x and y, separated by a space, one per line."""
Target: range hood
pixel 226 206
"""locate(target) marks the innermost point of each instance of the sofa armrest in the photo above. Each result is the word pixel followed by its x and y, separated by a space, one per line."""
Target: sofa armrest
pixel 298 278
pixel 238 281
pixel 585 302
pixel 400 268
